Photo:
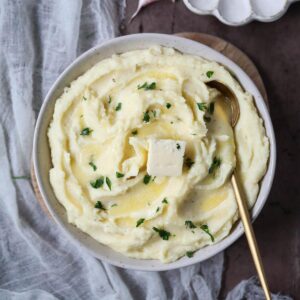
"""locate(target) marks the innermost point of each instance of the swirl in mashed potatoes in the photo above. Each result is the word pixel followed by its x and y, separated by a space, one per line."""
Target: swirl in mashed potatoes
pixel 99 139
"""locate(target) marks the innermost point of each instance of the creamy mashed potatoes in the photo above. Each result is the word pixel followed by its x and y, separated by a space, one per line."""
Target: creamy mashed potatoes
pixel 99 140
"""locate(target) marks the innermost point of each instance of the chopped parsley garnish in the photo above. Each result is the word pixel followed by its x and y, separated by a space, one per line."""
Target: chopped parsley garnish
pixel 109 99
pixel 168 105
pixel 209 74
pixel 147 179
pixel 108 182
pixel 134 132
pixel 190 254
pixel 206 119
pixel 211 108
pixel 113 79
pixel 84 98
pixel 99 205
pixel 162 233
pixel 97 183
pixel 93 165
pixel 190 224
pixel 114 205
pixel 157 210
pixel 165 201
pixel 147 86
pixel 188 162
pixel 119 106
pixel 214 165
pixel 206 230
pixel 139 222
pixel 86 131
pixel 146 118
pixel 202 106
pixel 119 175
pixel 177 146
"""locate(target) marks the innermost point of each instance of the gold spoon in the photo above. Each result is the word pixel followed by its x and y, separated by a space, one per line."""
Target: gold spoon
pixel 242 204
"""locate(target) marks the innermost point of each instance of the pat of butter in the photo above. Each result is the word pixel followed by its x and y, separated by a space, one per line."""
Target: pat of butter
pixel 165 157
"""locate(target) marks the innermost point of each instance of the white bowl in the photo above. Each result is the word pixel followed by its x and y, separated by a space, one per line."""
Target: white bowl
pixel 42 160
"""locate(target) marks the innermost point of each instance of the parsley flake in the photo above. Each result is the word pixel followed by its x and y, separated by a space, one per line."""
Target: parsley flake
pixel 118 107
pixel 177 146
pixel 157 210
pixel 147 179
pixel 109 99
pixel 119 175
pixel 206 230
pixel 202 106
pixel 168 105
pixel 134 132
pixel 206 119
pixel 162 233
pixel 190 254
pixel 114 205
pixel 209 74
pixel 93 165
pixel 190 224
pixel 99 205
pixel 97 183
pixel 211 108
pixel 146 117
pixel 84 98
pixel 214 165
pixel 147 86
pixel 165 201
pixel 86 131
pixel 108 182
pixel 139 222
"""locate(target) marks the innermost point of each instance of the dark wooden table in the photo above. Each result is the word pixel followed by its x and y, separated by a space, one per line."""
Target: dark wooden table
pixel 275 49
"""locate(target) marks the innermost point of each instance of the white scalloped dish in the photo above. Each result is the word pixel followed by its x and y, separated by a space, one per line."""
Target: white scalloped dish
pixel 240 12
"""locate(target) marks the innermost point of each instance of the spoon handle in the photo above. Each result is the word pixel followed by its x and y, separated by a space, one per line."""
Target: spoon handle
pixel 244 214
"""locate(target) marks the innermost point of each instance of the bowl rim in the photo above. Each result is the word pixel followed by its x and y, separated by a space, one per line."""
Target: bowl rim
pixel 145 265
